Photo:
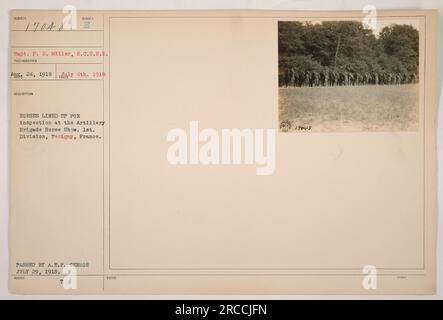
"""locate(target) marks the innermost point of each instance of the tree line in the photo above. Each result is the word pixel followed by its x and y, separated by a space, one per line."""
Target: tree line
pixel 346 53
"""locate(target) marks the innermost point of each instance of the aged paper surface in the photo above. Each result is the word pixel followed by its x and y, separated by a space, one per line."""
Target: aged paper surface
pixel 104 199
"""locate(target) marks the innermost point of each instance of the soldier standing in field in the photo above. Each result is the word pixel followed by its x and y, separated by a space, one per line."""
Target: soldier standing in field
pixel 296 78
pixel 357 78
pixel 353 79
pixel 308 76
pixel 287 77
pixel 292 77
pixel 316 78
pixel 346 78
pixel 341 78
pixel 325 77
pixel 336 78
pixel 385 78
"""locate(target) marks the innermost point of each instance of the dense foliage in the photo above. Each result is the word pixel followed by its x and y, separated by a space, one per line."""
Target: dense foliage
pixel 346 53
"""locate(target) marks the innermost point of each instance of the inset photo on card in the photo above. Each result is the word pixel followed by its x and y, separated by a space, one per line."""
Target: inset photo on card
pixel 342 76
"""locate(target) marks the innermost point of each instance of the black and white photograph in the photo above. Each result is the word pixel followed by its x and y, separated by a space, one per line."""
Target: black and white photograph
pixel 221 159
pixel 342 76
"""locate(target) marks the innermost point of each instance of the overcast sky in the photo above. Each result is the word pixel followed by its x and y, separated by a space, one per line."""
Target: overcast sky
pixel 381 23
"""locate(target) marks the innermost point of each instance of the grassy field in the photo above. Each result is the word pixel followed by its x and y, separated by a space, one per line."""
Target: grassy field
pixel 362 108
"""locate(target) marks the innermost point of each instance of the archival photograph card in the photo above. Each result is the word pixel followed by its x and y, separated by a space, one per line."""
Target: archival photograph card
pixel 222 152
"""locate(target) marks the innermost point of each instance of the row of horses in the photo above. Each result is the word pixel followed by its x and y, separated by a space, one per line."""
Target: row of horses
pixel 329 78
